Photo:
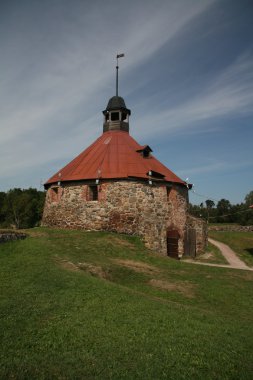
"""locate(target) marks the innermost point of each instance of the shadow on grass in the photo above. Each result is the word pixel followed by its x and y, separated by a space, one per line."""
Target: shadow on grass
pixel 249 250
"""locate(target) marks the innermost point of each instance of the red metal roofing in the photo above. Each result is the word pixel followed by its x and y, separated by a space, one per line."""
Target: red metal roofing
pixel 112 155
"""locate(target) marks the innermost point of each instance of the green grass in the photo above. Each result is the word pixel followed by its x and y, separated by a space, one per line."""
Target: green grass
pixel 62 322
pixel 240 242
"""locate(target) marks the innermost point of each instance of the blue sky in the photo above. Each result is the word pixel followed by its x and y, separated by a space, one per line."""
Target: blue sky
pixel 187 77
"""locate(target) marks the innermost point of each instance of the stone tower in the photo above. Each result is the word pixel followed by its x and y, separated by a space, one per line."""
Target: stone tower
pixel 118 185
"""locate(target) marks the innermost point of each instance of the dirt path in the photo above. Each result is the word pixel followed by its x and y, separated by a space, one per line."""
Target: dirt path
pixel 231 257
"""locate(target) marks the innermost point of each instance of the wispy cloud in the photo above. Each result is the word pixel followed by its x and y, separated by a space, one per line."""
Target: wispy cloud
pixel 53 74
pixel 230 93
pixel 214 167
pixel 80 67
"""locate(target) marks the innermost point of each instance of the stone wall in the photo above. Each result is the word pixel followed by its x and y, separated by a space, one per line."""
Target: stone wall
pixel 122 206
pixel 200 226
pixel 177 210
pixel 10 236
pixel 231 227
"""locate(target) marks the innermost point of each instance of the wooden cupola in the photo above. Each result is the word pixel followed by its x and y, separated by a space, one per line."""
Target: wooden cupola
pixel 116 115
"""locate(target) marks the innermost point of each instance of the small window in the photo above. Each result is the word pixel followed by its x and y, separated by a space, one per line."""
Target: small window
pixel 114 116
pixel 93 193
pixel 54 194
pixel 146 153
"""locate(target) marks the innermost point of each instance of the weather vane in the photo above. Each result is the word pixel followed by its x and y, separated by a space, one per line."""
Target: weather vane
pixel 117 72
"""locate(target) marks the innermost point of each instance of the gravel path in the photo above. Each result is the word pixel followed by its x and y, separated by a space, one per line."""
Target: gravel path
pixel 230 256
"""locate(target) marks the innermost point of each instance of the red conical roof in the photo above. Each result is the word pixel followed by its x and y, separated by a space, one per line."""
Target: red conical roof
pixel 113 155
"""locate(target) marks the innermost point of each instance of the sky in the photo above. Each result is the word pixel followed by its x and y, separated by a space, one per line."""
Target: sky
pixel 187 77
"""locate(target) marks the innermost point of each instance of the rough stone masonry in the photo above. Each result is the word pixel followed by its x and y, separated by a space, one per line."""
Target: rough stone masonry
pixel 122 206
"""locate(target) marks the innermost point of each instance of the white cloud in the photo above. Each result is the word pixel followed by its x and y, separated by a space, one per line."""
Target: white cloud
pixel 230 93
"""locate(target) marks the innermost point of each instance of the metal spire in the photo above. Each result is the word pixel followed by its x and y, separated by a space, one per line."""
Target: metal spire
pixel 117 72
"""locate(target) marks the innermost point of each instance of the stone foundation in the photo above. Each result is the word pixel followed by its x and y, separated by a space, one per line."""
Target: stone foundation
pixel 123 206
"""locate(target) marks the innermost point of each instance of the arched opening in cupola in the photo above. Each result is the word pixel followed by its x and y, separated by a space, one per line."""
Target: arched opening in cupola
pixel 115 116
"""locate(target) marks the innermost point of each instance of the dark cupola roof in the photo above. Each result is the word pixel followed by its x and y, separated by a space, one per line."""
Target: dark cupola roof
pixel 115 103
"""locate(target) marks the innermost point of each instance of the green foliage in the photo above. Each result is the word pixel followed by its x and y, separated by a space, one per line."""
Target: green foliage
pixel 249 199
pixel 21 208
pixel 2 202
pixel 209 203
pixel 225 212
pixel 62 323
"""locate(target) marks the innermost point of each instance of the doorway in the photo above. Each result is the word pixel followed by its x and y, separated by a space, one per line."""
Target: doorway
pixel 190 242
pixel 172 243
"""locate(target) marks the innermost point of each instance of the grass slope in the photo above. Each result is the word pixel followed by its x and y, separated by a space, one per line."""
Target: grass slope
pixel 78 305
pixel 212 255
pixel 240 242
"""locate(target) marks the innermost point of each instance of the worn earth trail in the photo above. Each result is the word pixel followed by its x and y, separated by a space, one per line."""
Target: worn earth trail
pixel 233 260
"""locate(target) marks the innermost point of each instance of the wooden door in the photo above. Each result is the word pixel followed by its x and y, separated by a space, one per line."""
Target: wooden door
pixel 190 242
pixel 172 243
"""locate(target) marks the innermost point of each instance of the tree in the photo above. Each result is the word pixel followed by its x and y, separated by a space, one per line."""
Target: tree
pixel 223 209
pixel 225 212
pixel 2 212
pixel 23 208
pixel 249 199
pixel 209 205
pixel 246 217
pixel 194 210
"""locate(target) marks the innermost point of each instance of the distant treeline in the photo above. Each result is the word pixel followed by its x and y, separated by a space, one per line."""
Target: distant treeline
pixel 224 211
pixel 21 208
